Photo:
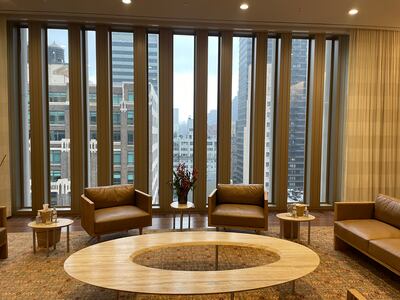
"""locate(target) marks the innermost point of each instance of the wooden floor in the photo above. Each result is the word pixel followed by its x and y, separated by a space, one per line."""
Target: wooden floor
pixel 164 221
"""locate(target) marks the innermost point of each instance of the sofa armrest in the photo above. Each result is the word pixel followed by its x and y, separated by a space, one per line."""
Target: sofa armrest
pixel 143 201
pixel 354 210
pixel 266 210
pixel 3 216
pixel 87 215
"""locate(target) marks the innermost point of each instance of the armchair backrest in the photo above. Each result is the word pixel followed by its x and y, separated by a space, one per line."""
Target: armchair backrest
pixel 251 194
pixel 387 209
pixel 111 196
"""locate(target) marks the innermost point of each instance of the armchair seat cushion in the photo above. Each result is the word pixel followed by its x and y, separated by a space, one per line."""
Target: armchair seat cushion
pixel 360 232
pixel 387 251
pixel 119 218
pixel 241 215
pixel 3 236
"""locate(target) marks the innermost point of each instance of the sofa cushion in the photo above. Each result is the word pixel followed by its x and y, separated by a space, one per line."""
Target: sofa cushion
pixel 360 232
pixel 387 251
pixel 387 209
pixel 238 215
pixel 110 196
pixel 240 194
pixel 120 218
pixel 3 236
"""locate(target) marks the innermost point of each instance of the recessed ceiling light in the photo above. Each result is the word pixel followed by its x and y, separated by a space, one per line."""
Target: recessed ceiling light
pixel 127 1
pixel 353 11
pixel 244 6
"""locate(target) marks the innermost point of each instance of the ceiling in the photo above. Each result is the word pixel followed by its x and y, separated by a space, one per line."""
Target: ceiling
pixel 266 14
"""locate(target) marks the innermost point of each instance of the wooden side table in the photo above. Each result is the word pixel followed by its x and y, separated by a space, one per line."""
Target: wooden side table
pixel 291 225
pixel 182 208
pixel 50 228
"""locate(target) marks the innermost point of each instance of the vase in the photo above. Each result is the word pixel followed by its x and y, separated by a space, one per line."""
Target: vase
pixel 182 199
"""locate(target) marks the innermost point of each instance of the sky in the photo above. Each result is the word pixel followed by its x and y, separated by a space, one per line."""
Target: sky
pixel 183 67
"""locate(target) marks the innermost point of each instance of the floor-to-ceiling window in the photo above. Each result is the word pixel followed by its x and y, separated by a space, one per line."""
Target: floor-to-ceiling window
pixel 122 105
pixel 272 47
pixel 298 119
pixel 59 117
pixel 242 68
pixel 212 112
pixel 91 106
pixel 154 113
pixel 183 129
pixel 25 117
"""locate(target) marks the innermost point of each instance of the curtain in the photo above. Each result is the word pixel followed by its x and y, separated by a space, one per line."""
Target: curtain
pixel 372 133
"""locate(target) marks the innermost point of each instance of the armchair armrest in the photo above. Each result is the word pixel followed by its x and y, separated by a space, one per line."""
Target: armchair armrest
pixel 87 215
pixel 354 210
pixel 143 201
pixel 3 216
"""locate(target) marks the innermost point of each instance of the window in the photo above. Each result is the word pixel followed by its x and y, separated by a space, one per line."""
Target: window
pixel 93 117
pixel 117 177
pixel 58 101
pixel 183 100
pixel 117 158
pixel 122 48
pixel 130 177
pixel 242 66
pixel 272 47
pixel 298 119
pixel 57 117
pixel 153 98
pixel 55 157
pixel 212 112
pixel 130 157
pixel 25 117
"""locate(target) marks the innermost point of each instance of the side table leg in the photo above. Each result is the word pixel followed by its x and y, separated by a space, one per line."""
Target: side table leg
pixel 174 220
pixel 67 238
pixel 232 296
pixel 291 230
pixel 181 219
pixel 54 239
pixel 189 219
pixel 281 229
pixel 309 232
pixel 293 287
pixel 47 242
pixel 34 241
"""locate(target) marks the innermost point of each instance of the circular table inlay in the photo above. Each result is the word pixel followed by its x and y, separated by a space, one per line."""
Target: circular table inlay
pixel 205 257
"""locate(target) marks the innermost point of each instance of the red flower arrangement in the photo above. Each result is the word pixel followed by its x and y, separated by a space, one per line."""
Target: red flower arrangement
pixel 183 181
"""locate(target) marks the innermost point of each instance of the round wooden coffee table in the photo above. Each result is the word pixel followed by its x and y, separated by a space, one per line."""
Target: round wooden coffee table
pixel 111 264
pixel 52 227
pixel 181 208
pixel 286 220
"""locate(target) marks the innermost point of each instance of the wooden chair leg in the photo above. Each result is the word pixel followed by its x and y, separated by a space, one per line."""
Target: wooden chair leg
pixel 140 231
pixel 4 251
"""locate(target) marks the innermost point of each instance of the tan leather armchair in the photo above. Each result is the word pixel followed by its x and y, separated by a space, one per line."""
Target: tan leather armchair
pixel 238 206
pixel 109 209
pixel 3 233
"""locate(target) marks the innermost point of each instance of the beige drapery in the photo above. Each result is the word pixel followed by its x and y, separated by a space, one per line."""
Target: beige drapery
pixel 372 133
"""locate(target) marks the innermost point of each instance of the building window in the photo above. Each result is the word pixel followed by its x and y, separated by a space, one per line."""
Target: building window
pixel 55 157
pixel 130 158
pixel 183 100
pixel 117 158
pixel 242 66
pixel 130 177
pixel 272 53
pixel 58 89
pixel 25 117
pixel 298 119
pixel 153 99
pixel 117 177
pixel 212 112
pixel 122 56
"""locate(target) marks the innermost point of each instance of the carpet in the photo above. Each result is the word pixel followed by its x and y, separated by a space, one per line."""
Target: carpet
pixel 28 276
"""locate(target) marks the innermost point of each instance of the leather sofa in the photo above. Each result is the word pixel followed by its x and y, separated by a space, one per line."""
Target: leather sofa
pixel 3 233
pixel 373 228
pixel 238 206
pixel 110 209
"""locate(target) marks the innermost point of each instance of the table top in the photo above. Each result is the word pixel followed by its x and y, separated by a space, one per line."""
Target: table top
pixel 176 205
pixel 287 217
pixel 60 223
pixel 110 264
